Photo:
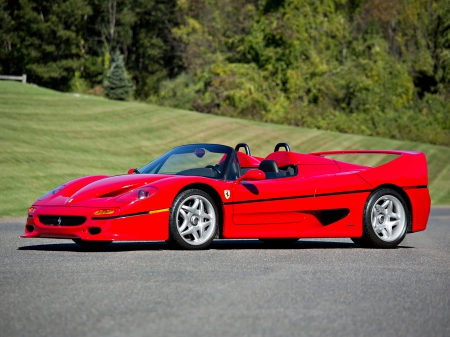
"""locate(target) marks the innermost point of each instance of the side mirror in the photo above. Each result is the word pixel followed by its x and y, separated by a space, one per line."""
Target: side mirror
pixel 251 175
pixel 133 170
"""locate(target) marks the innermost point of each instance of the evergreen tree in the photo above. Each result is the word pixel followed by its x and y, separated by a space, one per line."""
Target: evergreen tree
pixel 117 85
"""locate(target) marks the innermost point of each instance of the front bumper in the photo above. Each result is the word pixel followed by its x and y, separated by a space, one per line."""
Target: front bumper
pixel 144 226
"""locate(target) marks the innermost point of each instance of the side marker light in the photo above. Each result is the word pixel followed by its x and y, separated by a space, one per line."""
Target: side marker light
pixel 159 211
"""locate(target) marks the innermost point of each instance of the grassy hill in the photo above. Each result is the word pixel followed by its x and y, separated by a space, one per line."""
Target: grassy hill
pixel 48 137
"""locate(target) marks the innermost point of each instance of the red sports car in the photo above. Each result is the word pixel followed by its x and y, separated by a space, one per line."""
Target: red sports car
pixel 195 193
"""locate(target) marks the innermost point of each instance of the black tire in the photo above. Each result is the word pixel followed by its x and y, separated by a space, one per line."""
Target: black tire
pixel 91 244
pixel 172 243
pixel 279 242
pixel 376 216
pixel 198 238
pixel 361 242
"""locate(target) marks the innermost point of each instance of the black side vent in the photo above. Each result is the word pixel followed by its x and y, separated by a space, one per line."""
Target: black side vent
pixel 329 216
pixel 64 220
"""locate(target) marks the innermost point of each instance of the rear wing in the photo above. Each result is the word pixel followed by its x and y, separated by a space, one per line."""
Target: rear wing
pixel 409 169
pixel 396 152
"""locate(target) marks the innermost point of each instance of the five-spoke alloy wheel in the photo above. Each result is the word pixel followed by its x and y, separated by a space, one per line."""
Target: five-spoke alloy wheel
pixel 385 221
pixel 193 220
pixel 388 218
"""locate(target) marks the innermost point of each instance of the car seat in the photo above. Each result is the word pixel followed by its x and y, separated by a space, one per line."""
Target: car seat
pixel 270 168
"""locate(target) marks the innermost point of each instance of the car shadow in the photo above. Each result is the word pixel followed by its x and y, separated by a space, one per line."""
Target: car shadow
pixel 300 244
pixel 113 247
pixel 215 245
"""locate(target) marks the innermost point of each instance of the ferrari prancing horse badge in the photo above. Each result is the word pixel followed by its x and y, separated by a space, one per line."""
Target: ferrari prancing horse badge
pixel 227 194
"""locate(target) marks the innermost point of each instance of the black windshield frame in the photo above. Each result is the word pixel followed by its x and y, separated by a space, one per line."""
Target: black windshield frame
pixel 156 164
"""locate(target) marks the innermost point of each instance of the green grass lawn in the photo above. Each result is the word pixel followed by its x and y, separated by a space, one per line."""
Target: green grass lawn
pixel 48 137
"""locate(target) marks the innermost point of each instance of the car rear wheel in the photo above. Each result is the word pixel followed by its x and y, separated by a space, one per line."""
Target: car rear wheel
pixel 279 242
pixel 91 244
pixel 193 220
pixel 385 220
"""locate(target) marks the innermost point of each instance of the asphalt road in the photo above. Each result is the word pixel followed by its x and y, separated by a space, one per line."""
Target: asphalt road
pixel 236 288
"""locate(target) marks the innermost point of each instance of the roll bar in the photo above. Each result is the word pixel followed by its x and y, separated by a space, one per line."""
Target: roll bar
pixel 285 145
pixel 245 146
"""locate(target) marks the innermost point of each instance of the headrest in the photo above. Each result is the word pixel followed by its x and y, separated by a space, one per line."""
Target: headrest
pixel 268 166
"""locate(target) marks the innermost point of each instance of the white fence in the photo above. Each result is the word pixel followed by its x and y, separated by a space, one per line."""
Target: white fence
pixel 22 78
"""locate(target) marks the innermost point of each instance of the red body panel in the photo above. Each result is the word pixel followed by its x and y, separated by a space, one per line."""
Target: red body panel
pixel 143 227
pixel 286 207
pixel 271 209
pixel 248 161
pixel 420 207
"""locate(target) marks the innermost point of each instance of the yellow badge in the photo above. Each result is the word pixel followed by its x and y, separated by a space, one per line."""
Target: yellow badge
pixel 227 194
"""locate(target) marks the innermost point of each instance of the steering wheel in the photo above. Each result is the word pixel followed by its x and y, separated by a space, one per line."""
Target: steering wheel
pixel 214 168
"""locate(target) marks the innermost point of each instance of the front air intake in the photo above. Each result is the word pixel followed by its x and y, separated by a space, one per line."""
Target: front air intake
pixel 95 230
pixel 63 220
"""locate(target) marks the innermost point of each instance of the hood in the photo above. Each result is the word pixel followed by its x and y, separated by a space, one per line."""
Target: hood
pixel 76 192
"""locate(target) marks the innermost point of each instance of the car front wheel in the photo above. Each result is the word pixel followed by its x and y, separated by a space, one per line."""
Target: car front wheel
pixel 193 220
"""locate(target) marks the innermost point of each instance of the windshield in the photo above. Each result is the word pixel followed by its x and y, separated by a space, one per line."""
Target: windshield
pixel 205 160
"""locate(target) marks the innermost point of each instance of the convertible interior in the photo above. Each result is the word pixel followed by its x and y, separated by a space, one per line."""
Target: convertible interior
pixel 268 166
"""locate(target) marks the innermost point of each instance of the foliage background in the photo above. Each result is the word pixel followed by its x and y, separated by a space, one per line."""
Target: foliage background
pixel 370 67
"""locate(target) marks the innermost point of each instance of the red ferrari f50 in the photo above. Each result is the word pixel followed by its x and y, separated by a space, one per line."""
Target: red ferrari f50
pixel 194 193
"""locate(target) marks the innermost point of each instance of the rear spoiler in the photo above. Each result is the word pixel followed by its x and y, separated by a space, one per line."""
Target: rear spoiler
pixel 408 169
pixel 395 152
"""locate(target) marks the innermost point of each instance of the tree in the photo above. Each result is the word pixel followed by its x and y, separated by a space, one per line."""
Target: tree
pixel 117 85
pixel 43 39
pixel 142 31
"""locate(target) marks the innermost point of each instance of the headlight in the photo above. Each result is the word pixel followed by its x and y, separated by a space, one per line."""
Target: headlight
pixel 137 194
pixel 52 192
